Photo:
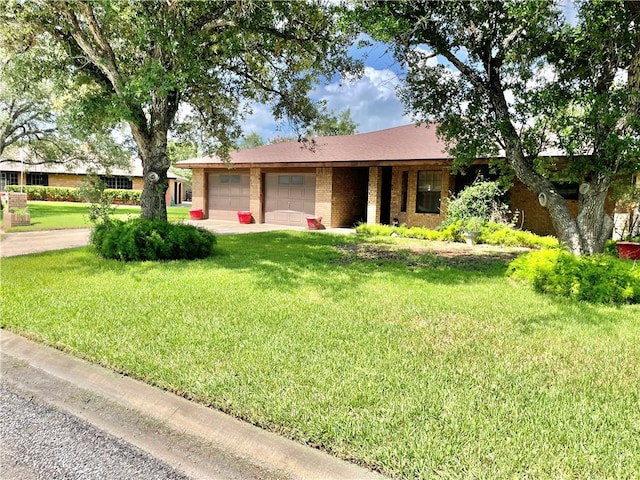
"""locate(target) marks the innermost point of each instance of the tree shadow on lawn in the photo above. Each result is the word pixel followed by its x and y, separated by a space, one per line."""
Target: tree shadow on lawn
pixel 334 262
pixel 285 259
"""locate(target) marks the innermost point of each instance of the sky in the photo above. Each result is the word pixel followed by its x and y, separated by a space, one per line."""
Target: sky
pixel 371 99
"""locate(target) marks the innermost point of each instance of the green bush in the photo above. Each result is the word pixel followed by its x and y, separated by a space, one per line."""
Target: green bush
pixel 480 201
pixel 595 279
pixel 490 233
pixel 143 239
pixel 40 192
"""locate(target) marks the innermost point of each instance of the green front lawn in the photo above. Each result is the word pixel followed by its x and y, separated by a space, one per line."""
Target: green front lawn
pixel 411 363
pixel 57 215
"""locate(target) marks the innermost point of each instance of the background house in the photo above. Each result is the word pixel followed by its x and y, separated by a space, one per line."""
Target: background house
pixel 59 175
pixel 398 173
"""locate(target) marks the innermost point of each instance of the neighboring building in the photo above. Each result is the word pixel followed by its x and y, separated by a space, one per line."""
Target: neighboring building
pixel 399 173
pixel 57 175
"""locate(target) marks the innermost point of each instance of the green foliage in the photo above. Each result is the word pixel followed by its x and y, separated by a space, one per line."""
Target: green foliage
pixel 139 62
pixel 143 239
pixel 490 233
pixel 93 190
pixel 493 97
pixel 595 279
pixel 75 194
pixel 501 234
pixel 332 124
pixel 479 201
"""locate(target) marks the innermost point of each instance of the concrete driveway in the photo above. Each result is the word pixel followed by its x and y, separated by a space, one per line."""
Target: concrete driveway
pixel 24 243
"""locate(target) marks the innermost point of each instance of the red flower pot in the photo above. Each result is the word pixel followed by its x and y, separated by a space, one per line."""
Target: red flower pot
pixel 629 250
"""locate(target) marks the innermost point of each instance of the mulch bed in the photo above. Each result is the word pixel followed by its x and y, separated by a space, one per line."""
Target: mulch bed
pixel 429 254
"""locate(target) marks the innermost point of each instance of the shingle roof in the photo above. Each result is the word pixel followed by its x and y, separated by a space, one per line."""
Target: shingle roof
pixel 406 143
pixel 135 169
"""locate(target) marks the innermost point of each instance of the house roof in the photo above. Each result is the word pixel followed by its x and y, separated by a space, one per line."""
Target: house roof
pixel 135 169
pixel 399 144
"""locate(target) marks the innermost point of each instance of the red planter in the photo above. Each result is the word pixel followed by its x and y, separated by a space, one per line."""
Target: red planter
pixel 196 214
pixel 244 217
pixel 629 250
pixel 315 223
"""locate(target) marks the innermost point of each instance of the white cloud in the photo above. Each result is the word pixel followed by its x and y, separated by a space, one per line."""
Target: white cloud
pixel 372 100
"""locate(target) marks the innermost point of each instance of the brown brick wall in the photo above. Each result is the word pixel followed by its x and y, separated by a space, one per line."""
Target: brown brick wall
pixel 349 199
pixel 67 181
pixel 199 192
pixel 373 196
pixel 532 216
pixel 410 217
pixel 324 193
pixel 256 194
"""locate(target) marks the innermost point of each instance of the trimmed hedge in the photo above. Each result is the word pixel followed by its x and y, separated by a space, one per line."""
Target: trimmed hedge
pixel 595 279
pixel 143 239
pixel 491 233
pixel 72 194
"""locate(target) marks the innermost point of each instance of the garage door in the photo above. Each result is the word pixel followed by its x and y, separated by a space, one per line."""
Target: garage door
pixel 289 198
pixel 228 194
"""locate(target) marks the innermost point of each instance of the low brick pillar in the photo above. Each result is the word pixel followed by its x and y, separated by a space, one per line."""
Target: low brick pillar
pixel 16 214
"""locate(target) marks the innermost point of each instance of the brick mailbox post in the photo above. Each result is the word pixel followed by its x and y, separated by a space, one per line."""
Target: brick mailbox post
pixel 17 214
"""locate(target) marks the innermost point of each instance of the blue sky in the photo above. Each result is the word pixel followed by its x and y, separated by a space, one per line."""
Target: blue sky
pixel 371 99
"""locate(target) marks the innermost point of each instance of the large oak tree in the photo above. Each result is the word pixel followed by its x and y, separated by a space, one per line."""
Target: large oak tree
pixel 184 67
pixel 515 78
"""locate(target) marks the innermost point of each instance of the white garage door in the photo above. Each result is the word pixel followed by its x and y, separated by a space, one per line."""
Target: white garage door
pixel 289 198
pixel 228 194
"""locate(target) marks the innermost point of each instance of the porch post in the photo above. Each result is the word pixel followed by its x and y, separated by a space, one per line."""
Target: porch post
pixel 373 197
pixel 256 194
pixel 200 191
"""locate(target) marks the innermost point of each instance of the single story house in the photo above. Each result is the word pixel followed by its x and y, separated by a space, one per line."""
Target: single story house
pixel 398 174
pixel 60 175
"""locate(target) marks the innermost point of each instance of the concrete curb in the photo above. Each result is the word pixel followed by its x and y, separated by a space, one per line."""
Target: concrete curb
pixel 262 453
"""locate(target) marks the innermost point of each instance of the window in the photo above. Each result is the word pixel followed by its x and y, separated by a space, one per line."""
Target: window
pixel 428 191
pixel 119 183
pixel 291 179
pixel 37 179
pixel 8 178
pixel 568 190
pixel 229 178
pixel 404 192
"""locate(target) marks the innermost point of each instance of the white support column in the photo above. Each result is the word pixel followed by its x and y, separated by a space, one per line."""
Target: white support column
pixel 373 197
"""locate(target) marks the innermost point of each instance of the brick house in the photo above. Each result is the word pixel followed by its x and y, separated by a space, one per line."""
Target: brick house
pixel 398 173
pixel 56 175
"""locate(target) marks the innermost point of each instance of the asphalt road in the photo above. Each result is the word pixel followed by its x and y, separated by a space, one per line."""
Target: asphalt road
pixel 37 441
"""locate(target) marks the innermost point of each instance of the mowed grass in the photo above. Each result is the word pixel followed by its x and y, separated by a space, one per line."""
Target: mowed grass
pixel 410 364
pixel 60 215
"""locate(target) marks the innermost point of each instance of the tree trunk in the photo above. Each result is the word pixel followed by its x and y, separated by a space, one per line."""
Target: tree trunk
pixel 152 149
pixel 594 223
pixel 153 200
pixel 563 222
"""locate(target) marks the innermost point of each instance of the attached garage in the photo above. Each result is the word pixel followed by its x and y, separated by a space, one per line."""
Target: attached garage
pixel 228 194
pixel 289 198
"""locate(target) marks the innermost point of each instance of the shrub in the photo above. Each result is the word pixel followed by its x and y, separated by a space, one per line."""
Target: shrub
pixel 143 239
pixel 39 192
pixel 480 201
pixel 490 233
pixel 595 279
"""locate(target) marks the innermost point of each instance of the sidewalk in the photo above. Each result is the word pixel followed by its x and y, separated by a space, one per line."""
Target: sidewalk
pixel 198 441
